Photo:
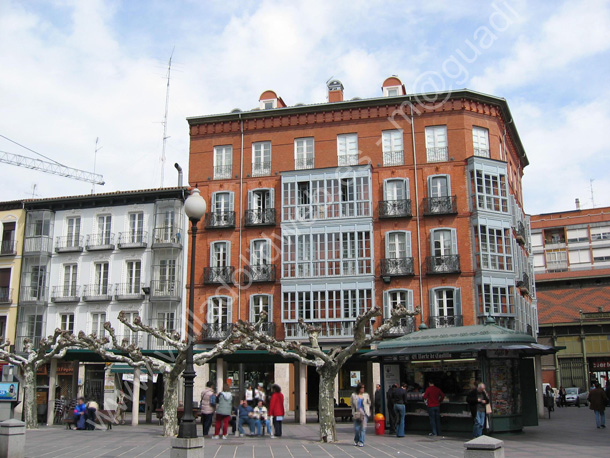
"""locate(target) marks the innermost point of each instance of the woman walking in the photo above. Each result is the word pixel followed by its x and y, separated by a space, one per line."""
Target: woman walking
pixel 224 402
pixel 208 405
pixel 361 410
pixel 276 410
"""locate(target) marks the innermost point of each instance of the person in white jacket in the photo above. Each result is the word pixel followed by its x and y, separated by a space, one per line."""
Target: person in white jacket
pixel 261 416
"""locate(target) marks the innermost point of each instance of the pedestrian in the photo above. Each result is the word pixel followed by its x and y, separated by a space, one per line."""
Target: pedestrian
pixel 549 402
pixel 224 402
pixel 478 400
pixel 562 397
pixel 121 407
pixel 390 404
pixel 608 391
pixel 597 403
pixel 261 417
pixel 433 396
pixel 276 410
pixel 208 406
pixel 377 398
pixel 91 415
pixel 399 399
pixel 361 410
pixel 249 395
pixel 245 414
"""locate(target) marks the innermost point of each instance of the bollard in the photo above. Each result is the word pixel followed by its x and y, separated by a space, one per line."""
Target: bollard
pixel 12 439
pixel 484 447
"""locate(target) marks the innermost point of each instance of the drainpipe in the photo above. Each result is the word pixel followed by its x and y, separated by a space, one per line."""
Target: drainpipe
pixel 241 201
pixel 420 276
pixel 179 169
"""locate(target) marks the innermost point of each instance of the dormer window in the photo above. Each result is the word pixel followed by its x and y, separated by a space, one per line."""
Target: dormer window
pixel 392 87
pixel 392 91
pixel 268 104
pixel 269 100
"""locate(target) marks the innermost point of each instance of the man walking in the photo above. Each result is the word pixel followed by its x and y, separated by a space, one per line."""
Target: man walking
pixel 433 396
pixel 377 398
pixel 390 404
pixel 399 398
pixel 597 403
pixel 478 399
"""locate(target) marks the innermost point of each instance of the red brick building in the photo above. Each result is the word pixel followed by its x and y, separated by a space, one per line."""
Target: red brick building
pixel 321 211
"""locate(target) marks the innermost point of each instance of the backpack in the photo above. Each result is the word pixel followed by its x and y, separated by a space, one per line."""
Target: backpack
pixel 213 400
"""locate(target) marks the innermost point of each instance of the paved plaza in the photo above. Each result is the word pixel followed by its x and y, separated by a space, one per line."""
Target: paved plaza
pixel 571 432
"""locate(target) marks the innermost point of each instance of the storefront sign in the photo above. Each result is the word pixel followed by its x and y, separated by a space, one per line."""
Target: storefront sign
pixel 9 391
pixel 444 355
pixel 354 378
pixel 502 354
pixel 597 365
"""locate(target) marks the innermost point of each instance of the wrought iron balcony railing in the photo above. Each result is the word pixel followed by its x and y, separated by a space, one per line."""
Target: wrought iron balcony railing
pixel 219 220
pixel 167 237
pixel 6 295
pixel 97 293
pixel 223 172
pixel 328 330
pixel 520 234
pixel 437 154
pixel 445 321
pixel 524 284
pixel 395 208
pixel 138 239
pixel 393 158
pixel 259 273
pixel 481 152
pixel 8 248
pixel 347 159
pixel 396 267
pixel 406 325
pixel 261 169
pixel 218 275
pixel 166 289
pixel 446 205
pixel 33 295
pixel 265 217
pixel 215 331
pixel 99 242
pixel 69 244
pixel 134 338
pixel 66 293
pixel 449 264
pixel 128 291
pixel 304 163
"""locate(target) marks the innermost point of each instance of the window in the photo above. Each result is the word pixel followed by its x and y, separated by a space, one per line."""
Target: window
pixel 444 242
pixel 38 282
pixel 494 244
pixel 398 245
pixel 101 279
pixel 97 324
pixel 393 150
pixel 5 285
pixel 260 252
pixel 104 224
pixel 134 280
pixel 131 336
pixel 304 153
pixel 167 321
pixel 601 254
pixel 261 159
pixel 136 227
pixel 347 149
pixel 445 302
pixel 579 256
pixel 167 274
pixel 33 326
pixel 260 303
pixel 496 299
pixel 600 233
pixel 573 235
pixel 220 311
pixel 222 206
pixel 73 232
pixel 396 298
pixel 70 276
pixel 220 254
pixel 490 190
pixel 396 189
pixel 439 186
pixel 392 91
pixel 261 207
pixel 67 322
pixel 480 141
pixel 3 320
pixel 557 260
pixel 436 144
pixel 223 162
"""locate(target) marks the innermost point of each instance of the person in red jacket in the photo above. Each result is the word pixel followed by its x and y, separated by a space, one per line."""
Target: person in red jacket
pixel 433 396
pixel 276 410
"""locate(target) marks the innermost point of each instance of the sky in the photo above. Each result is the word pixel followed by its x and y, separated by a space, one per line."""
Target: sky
pixel 74 71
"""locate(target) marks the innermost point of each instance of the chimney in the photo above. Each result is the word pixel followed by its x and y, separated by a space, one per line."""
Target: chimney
pixel 577 203
pixel 335 91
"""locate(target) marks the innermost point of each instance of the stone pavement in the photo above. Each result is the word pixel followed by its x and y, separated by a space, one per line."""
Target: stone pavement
pixel 570 432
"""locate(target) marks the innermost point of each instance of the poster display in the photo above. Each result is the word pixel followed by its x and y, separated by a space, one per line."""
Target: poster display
pixel 9 391
pixel 354 378
pixel 391 375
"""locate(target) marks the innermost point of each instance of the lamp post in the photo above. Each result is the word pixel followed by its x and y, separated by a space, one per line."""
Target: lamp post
pixel 195 208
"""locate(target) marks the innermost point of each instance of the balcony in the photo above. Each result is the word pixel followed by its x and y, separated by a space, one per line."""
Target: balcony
pixel 100 242
pixel 129 240
pixel 445 321
pixel 97 293
pixel 396 267
pixel 437 154
pixel 393 158
pixel 446 205
pixel 134 338
pixel 406 325
pixel 8 248
pixel 218 275
pixel 334 330
pixel 556 266
pixel 304 164
pixel 37 245
pixel 347 159
pixel 265 217
pixel 259 273
pixel 215 331
pixel 128 292
pixel 35 295
pixel 169 326
pixel 395 208
pixel 63 294
pixel 69 244
pixel 6 295
pixel 524 284
pixel 167 237
pixel 261 169
pixel 520 234
pixel 481 152
pixel 169 290
pixel 223 172
pixel 219 220
pixel 438 265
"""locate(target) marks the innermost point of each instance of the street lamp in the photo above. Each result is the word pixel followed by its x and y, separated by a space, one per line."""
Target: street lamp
pixel 195 208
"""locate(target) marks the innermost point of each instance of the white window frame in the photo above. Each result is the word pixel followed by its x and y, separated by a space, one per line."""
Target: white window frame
pixel 223 162
pixel 436 298
pixel 480 141
pixel 136 227
pixel 101 276
pixel 131 336
pixel 224 207
pixel 96 323
pixel 66 322
pixel 304 153
pixel 226 260
pixel 213 317
pixel 435 191
pixel 133 277
pixel 388 303
pixel 347 149
pixel 389 253
pixel 73 225
pixel 264 252
pixel 255 313
pixel 104 229
pixel 453 242
pixel 70 284
pixel 392 144
pixel 261 159
pixel 389 195
pixel 437 149
pixel 388 91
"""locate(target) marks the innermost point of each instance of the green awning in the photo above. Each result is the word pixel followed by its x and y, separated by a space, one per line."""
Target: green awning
pixel 120 368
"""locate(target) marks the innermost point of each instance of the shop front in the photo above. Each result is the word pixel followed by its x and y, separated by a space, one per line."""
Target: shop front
pixel 456 359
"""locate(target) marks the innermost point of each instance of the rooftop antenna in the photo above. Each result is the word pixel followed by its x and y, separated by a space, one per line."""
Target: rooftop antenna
pixel 34 186
pixel 97 139
pixel 592 195
pixel 165 137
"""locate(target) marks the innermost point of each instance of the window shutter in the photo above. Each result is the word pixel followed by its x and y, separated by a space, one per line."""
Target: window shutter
pixel 457 292
pixel 406 191
pixel 388 236
pixel 408 244
pixel 454 247
pixel 387 141
pixel 250 202
pixel 271 198
pixel 229 309
pixel 440 136
pixel 429 137
pixel 432 235
pixel 409 299
pixel 231 201
pixel 432 303
pixel 386 304
pixel 385 190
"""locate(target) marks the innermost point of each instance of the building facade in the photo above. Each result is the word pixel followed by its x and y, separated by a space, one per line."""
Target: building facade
pixel 321 211
pixel 571 252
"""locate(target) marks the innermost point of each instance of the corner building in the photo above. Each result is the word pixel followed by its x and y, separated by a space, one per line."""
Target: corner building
pixel 322 211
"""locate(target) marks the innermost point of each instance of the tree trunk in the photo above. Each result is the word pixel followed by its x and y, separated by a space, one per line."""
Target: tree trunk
pixel 328 430
pixel 170 402
pixel 29 394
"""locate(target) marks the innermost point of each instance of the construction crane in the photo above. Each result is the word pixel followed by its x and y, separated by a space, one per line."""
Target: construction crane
pixel 50 167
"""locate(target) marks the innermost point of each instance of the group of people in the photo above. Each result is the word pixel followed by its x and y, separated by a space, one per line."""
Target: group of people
pixel 85 414
pixel 253 410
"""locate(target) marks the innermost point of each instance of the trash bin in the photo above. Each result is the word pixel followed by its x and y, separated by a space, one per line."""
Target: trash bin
pixel 379 424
